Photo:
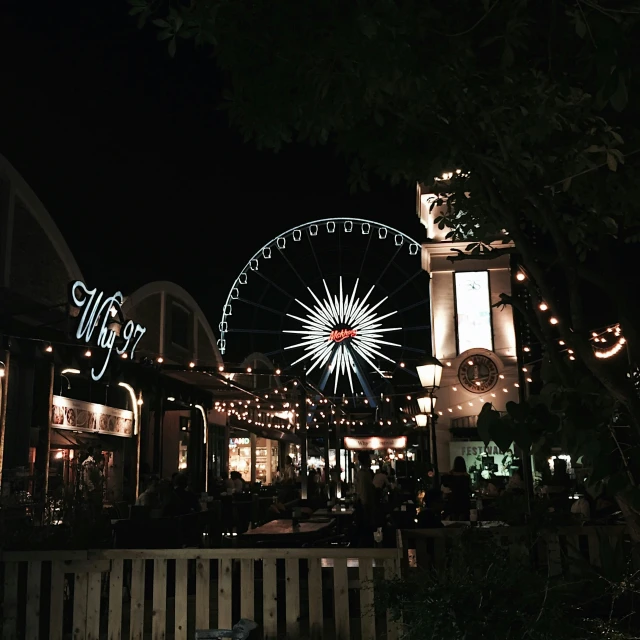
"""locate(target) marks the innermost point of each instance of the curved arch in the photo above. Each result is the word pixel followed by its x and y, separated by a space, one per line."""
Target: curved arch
pixel 258 357
pixel 254 259
pixel 38 211
pixel 180 294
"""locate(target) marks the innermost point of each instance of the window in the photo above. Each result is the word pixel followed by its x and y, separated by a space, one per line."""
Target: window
pixel 473 311
pixel 180 320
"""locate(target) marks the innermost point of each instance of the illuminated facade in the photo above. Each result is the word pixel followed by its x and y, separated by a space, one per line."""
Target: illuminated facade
pixel 474 340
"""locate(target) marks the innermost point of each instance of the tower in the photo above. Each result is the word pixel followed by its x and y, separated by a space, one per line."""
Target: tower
pixel 474 340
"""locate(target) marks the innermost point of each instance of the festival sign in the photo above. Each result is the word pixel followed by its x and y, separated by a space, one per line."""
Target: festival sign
pixel 373 442
pixel 102 315
pixel 76 415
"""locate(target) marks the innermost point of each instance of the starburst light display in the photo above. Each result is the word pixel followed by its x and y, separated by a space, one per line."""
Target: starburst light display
pixel 339 331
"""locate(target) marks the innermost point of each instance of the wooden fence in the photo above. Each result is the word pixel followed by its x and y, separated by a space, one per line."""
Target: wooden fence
pixel 428 549
pixel 162 594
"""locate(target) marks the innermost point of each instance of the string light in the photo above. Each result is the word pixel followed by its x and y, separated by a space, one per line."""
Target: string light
pixel 520 276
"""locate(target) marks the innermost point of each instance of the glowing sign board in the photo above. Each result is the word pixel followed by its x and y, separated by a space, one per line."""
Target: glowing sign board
pixel 103 315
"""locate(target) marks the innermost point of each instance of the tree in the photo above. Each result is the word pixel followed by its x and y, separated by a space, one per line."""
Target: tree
pixel 532 101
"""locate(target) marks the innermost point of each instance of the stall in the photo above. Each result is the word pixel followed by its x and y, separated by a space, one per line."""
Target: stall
pixel 385 451
pixel 80 430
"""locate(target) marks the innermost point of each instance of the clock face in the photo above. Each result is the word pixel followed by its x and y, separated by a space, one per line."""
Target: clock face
pixel 478 374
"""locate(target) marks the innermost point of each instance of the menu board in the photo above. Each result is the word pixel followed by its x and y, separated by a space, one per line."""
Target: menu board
pixel 76 415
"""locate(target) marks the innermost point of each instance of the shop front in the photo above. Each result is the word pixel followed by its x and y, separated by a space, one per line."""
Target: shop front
pixel 83 430
pixel 260 455
pixel 386 452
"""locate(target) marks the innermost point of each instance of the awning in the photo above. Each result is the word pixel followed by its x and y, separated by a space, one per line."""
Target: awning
pixel 70 440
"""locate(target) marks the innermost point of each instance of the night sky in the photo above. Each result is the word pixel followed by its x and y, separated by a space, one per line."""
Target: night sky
pixel 129 154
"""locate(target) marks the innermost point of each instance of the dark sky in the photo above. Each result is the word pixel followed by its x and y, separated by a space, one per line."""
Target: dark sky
pixel 127 151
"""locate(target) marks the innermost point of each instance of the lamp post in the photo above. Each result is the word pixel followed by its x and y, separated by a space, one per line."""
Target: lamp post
pixel 430 374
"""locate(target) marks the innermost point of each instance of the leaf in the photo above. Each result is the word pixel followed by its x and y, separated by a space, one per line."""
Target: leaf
pixel 522 437
pixel 486 418
pixel 172 47
pixel 612 163
pixel 502 434
pixel 163 24
pixel 581 27
pixel 377 116
pixel 566 184
pixel 507 56
pixel 620 96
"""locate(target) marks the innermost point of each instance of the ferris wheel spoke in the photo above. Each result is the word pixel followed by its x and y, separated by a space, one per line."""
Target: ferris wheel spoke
pixel 366 358
pixel 308 322
pixel 406 281
pixel 368 313
pixel 364 257
pixel 273 284
pixel 353 299
pixel 315 257
pixel 373 321
pixel 334 311
pixel 318 314
pixel 264 307
pixel 393 258
pixel 410 307
pixel 372 351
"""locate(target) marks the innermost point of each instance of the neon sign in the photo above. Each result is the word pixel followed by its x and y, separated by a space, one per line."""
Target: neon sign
pixel 104 314
pixel 338 335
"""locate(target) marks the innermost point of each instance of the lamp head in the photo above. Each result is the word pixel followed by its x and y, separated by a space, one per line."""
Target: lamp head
pixel 430 373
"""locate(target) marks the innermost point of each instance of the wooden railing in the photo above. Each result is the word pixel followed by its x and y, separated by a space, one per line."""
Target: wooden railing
pixel 428 549
pixel 161 594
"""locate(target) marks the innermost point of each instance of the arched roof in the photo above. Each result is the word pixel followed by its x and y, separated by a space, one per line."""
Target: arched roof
pixel 41 215
pixel 177 292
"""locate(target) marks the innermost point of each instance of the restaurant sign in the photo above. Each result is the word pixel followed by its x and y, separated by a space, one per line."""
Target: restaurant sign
pixel 371 443
pixel 102 315
pixel 76 415
pixel 239 442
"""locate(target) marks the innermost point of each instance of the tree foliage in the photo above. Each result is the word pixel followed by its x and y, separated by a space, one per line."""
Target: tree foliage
pixel 534 102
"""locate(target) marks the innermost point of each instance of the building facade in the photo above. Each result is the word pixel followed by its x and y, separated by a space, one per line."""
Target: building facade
pixel 472 335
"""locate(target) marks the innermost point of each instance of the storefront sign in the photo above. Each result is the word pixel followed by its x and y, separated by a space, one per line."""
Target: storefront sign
pixel 239 442
pixel 371 443
pixel 338 335
pixel 103 313
pixel 477 456
pixel 76 415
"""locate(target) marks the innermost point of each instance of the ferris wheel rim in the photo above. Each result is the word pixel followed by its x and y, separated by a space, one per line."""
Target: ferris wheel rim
pixel 274 240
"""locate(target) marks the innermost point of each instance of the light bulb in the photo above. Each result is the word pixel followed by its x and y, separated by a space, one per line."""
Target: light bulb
pixel 87 353
pixel 192 365
pixel 159 359
pixel 520 276
pixel 543 306
pixel 553 320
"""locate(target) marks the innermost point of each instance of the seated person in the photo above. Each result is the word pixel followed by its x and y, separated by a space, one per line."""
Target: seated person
pixel 181 502
pixel 430 516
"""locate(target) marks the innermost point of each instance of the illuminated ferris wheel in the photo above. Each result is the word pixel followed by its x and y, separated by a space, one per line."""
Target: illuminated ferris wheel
pixel 345 299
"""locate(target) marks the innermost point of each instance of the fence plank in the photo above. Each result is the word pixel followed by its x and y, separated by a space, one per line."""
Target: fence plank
pixel 440 553
pixel 80 584
pixel 247 588
pixel 114 622
pixel 34 582
pixel 225 594
pixel 269 599
pixel 56 610
pixel 367 611
pixel 391 572
pixel 180 600
pixel 341 599
pixel 10 602
pixel 94 588
pixel 159 613
pixel 316 630
pixel 203 572
pixel 292 574
pixel 136 622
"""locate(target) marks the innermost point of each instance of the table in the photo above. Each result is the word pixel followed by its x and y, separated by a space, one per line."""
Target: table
pixel 286 528
pixel 334 512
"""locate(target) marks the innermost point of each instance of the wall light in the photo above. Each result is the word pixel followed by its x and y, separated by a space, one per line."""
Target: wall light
pixel 73 371
pixel 134 404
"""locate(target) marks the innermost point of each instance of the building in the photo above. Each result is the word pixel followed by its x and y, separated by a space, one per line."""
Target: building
pixel 472 335
pixel 84 370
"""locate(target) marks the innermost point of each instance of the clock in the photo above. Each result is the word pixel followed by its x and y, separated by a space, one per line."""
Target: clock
pixel 478 374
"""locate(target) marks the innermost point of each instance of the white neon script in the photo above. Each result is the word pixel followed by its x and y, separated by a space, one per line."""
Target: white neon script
pixel 338 335
pixel 103 312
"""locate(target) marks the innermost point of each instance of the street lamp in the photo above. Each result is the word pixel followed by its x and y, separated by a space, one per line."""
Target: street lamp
pixel 430 374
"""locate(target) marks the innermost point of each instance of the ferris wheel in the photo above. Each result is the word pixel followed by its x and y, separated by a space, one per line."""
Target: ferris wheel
pixel 345 299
